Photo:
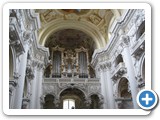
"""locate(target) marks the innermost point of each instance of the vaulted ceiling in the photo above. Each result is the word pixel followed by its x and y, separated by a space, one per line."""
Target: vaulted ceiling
pixel 74 26
pixel 70 38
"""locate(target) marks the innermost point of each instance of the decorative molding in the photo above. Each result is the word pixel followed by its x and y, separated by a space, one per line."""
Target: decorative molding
pixel 114 40
pixel 88 102
pixel 12 85
pixel 50 88
pixel 139 47
pixel 118 71
pixel 25 103
pixel 94 88
pixel 27 35
pixel 98 18
pixel 16 75
pixel 29 72
pixel 15 39
pixel 125 41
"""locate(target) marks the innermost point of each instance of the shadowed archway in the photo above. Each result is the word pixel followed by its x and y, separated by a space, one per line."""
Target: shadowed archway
pixel 73 94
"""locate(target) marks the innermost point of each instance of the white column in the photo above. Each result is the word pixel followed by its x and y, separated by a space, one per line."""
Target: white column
pixel 130 69
pixel 20 86
pixel 12 89
pixel 39 88
pixel 103 85
pixel 109 87
pixel 33 89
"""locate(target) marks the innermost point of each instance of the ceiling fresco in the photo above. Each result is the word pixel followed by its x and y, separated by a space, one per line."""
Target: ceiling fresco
pixel 69 38
pixel 99 18
pixel 76 11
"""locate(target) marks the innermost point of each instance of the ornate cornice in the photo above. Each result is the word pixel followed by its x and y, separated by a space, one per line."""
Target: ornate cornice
pixel 114 40
pixel 15 39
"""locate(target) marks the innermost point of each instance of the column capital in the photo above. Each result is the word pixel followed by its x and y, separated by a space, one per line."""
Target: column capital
pixel 125 40
pixel 108 65
pixel 104 66
pixel 37 64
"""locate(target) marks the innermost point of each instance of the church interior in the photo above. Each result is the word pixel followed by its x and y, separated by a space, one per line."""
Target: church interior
pixel 76 58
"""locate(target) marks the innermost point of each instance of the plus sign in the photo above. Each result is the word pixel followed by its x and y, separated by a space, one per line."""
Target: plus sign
pixel 147 99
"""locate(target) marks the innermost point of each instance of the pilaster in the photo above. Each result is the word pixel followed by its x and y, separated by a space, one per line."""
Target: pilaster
pixel 125 41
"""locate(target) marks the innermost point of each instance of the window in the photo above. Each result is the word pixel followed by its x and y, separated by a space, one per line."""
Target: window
pixel 68 104
pixel 119 59
pixel 140 30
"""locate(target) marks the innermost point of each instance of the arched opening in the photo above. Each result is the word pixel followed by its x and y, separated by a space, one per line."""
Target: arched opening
pixel 143 70
pixel 119 60
pixel 125 97
pixel 49 102
pixel 11 64
pixel 140 30
pixel 72 98
pixel 95 102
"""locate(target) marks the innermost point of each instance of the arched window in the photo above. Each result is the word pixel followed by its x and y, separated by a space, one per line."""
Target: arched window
pixel 68 104
pixel 119 59
pixel 94 102
pixel 49 102
pixel 140 30
pixel 124 94
pixel 143 70
pixel 10 63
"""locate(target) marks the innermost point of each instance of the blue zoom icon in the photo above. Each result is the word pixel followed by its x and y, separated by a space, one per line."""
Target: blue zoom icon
pixel 147 99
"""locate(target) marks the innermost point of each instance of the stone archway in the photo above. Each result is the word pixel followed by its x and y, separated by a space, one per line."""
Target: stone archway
pixel 95 102
pixel 49 102
pixel 85 27
pixel 124 95
pixel 74 94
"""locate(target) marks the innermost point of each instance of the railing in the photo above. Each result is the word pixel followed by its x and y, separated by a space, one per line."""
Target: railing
pixel 138 43
pixel 71 80
pixel 119 70
pixel 123 99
